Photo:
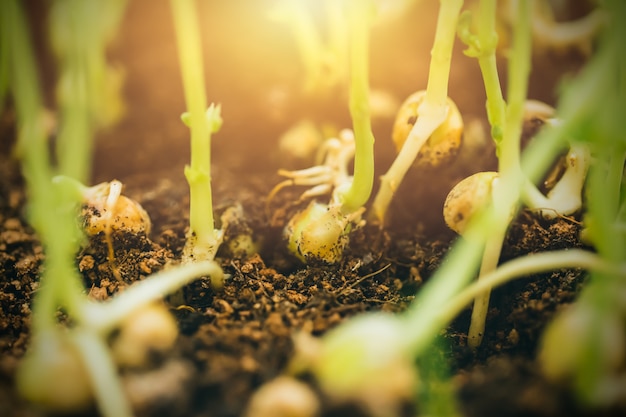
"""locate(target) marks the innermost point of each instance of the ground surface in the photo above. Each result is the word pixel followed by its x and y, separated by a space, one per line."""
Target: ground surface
pixel 234 340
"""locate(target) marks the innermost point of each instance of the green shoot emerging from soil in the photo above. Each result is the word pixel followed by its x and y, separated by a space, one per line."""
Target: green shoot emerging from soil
pixel 321 230
pixel 565 197
pixel 203 240
pixel 506 124
pixel 433 110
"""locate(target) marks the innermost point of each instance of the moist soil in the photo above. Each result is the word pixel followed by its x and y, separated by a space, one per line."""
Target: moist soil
pixel 232 341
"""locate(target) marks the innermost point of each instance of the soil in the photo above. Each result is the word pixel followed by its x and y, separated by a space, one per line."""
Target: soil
pixel 234 340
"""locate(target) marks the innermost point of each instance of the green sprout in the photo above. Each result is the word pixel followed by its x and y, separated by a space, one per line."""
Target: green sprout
pixel 433 110
pixel 564 198
pixel 203 239
pixel 506 122
pixel 321 230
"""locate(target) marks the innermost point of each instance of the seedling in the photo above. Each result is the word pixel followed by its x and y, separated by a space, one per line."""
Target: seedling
pixel 564 197
pixel 203 239
pixel 433 110
pixel 321 231
pixel 442 144
pixel 506 124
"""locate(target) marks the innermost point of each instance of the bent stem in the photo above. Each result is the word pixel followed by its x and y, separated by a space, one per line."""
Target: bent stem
pixel 104 317
pixel 523 267
pixel 578 33
pixel 432 111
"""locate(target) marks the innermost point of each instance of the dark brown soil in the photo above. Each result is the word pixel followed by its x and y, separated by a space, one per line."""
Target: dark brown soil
pixel 234 340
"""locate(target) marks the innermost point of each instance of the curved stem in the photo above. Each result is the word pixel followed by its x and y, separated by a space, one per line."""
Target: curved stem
pixel 432 111
pixel 523 267
pixel 105 316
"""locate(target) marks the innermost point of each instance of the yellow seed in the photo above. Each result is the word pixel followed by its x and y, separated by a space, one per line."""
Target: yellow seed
pixel 442 144
pixel 106 209
pixel 466 198
pixel 152 328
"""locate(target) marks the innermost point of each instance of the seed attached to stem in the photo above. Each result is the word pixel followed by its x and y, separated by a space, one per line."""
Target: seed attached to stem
pixel 320 232
pixel 105 210
pixel 442 144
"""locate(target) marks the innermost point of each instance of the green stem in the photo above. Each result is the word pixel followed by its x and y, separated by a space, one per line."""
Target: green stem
pixel 23 83
pixel 524 267
pixel 50 208
pixel 363 180
pixel 107 387
pixel 432 111
pixel 198 173
pixel 74 141
pixel 485 50
pixel 461 262
pixel 603 203
pixel 518 74
pixel 104 317
pixel 491 257
pixel 509 172
pixel 488 38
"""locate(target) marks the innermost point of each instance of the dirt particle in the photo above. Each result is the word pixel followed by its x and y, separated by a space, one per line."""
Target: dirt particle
pixel 86 263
